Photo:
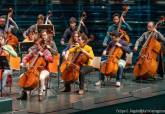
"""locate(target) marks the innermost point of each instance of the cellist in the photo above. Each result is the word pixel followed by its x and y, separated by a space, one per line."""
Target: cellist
pixel 87 50
pixel 7 24
pixel 159 37
pixel 8 51
pixel 33 28
pixel 39 47
pixel 7 45
pixel 121 63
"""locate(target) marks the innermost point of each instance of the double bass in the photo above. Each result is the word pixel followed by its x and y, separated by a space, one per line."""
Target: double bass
pixel 11 39
pixel 147 63
pixel 30 79
pixel 110 67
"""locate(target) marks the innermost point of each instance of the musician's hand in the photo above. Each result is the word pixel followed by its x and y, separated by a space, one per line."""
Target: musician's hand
pixel 135 49
pixel 82 50
pixel 48 46
pixel 104 44
pixel 86 53
pixel 155 30
pixel 66 56
pixel 77 45
pixel 118 44
pixel 82 23
pixel 104 52
pixel 22 64
pixel 62 42
pixel 41 54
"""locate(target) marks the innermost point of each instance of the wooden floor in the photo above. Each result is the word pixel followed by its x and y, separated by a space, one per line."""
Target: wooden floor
pixel 61 103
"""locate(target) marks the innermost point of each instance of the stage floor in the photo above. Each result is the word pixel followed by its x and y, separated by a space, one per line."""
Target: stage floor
pixel 94 97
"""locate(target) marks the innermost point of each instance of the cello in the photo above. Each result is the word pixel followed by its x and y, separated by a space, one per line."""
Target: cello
pixel 68 61
pixel 71 72
pixel 110 67
pixel 11 39
pixel 147 63
pixel 30 79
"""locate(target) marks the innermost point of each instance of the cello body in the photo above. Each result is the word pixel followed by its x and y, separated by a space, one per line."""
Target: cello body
pixel 71 72
pixel 12 40
pixel 124 36
pixel 65 63
pixel 30 79
pixel 147 63
pixel 110 67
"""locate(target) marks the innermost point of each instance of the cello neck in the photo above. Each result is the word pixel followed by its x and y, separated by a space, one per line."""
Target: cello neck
pixel 123 13
pixel 153 32
pixel 81 20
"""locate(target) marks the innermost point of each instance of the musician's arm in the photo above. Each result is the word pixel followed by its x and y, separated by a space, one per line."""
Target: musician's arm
pixel 71 50
pixel 28 30
pixel 139 41
pixel 65 36
pixel 14 23
pixel 128 27
pixel 107 37
pixel 27 58
pixel 126 49
pixel 161 37
pixel 88 52
pixel 53 49
pixel 47 55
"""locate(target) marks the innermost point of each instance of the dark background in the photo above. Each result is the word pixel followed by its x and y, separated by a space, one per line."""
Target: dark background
pixel 99 15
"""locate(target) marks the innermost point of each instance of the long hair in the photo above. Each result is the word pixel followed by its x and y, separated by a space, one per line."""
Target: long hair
pixel 72 41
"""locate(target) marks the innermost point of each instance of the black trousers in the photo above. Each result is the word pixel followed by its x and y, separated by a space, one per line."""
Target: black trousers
pixel 161 64
pixel 83 71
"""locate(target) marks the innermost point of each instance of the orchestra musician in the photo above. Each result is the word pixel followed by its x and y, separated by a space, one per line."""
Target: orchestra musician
pixel 73 27
pixel 41 49
pixel 7 51
pixel 87 50
pixel 33 28
pixel 114 26
pixel 159 37
pixel 8 42
pixel 50 44
pixel 30 37
pixel 122 61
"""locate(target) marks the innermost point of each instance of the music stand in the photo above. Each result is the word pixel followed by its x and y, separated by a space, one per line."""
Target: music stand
pixel 3 65
pixel 49 27
pixel 24 47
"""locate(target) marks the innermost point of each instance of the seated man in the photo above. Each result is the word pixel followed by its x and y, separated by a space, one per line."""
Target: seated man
pixel 121 62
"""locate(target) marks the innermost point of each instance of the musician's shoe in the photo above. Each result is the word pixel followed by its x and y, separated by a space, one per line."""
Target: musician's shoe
pixel 66 90
pixel 41 92
pixel 67 87
pixel 23 96
pixel 61 81
pixel 81 92
pixel 118 84
pixel 98 83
